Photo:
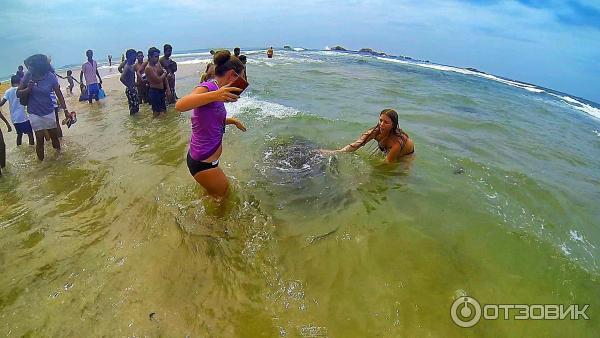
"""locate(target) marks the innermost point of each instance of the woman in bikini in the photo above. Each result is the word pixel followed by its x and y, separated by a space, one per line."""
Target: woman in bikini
pixel 392 140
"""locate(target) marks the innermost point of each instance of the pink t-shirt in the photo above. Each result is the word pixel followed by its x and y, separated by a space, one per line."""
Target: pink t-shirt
pixel 89 72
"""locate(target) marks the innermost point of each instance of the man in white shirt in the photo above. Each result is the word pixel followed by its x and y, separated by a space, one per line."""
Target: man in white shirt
pixel 17 112
pixel 93 80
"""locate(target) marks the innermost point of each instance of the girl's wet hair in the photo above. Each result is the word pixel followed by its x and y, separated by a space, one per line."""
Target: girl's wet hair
pixel 393 115
pixel 224 62
pixel 38 64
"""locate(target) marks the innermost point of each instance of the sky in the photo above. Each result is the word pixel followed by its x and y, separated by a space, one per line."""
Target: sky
pixel 555 44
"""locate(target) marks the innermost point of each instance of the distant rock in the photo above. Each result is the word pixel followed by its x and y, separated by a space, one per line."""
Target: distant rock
pixel 475 70
pixel 287 47
pixel 371 52
pixel 339 48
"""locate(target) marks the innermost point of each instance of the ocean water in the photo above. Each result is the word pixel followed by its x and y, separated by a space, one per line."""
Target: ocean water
pixel 113 237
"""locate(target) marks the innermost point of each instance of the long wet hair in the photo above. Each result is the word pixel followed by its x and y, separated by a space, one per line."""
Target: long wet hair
pixel 396 130
pixel 224 61
pixel 38 65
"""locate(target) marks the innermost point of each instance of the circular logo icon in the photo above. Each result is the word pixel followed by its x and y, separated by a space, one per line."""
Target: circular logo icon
pixel 465 311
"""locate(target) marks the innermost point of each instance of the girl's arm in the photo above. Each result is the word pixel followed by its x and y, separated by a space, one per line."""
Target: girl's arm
pixel 393 154
pixel 201 96
pixel 238 123
pixel 361 141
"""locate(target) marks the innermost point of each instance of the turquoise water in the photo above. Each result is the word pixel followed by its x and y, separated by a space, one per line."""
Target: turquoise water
pixel 113 237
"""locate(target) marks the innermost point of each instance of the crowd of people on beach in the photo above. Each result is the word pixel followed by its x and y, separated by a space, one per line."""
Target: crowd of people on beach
pixel 152 81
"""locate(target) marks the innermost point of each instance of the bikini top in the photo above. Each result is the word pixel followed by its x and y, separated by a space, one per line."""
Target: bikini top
pixel 402 139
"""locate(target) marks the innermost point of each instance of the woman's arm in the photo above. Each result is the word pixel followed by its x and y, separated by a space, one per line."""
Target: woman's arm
pixel 61 100
pixel 361 141
pixel 238 123
pixel 201 96
pixel 394 153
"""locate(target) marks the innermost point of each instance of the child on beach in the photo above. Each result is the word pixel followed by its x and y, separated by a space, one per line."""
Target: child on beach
pixel 70 79
pixel 17 112
pixel 84 94
pixel 2 144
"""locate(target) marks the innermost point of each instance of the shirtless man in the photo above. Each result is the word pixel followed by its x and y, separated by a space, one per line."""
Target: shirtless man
pixel 171 67
pixel 128 80
pixel 157 82
pixel 141 83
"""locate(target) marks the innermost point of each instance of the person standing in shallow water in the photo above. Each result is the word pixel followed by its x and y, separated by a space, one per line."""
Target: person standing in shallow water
pixel 157 82
pixel 209 119
pixel 110 60
pixel 17 112
pixel 36 89
pixel 128 79
pixel 171 67
pixel 391 139
pixel 140 77
pixel 270 52
pixel 93 80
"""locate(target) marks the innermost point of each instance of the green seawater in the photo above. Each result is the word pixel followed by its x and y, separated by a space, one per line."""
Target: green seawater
pixel 500 202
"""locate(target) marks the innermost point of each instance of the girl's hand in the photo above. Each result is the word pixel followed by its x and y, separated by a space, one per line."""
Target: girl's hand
pixel 240 125
pixel 224 94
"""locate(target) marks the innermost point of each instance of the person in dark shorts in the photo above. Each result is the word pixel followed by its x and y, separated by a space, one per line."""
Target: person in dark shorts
pixel 17 111
pixel 157 81
pixel 128 79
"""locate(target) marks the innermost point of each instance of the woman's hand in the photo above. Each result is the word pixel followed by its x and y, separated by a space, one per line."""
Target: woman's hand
pixel 328 152
pixel 240 125
pixel 225 94
pixel 30 85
